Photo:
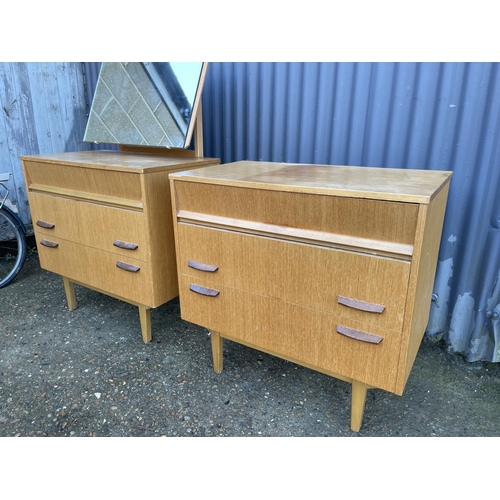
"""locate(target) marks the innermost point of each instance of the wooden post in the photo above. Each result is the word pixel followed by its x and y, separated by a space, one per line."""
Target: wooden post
pixel 145 316
pixel 357 404
pixel 217 350
pixel 69 288
pixel 198 133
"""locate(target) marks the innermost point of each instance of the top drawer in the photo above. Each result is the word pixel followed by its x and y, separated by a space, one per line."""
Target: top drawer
pixel 375 225
pixel 121 189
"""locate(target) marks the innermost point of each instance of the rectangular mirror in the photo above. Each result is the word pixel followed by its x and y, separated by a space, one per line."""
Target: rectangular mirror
pixel 146 103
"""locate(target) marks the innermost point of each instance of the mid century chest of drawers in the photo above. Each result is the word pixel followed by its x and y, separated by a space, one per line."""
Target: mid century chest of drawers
pixel 330 267
pixel 103 219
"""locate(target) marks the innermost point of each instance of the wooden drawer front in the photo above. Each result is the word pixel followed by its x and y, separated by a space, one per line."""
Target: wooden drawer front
pixel 296 333
pixel 318 278
pixel 362 218
pixel 54 216
pixel 96 268
pixel 121 189
pixel 90 224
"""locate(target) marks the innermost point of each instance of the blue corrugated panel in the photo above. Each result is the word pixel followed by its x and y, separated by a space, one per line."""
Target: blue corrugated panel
pixel 439 116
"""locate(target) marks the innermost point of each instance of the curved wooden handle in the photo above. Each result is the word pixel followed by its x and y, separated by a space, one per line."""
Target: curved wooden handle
pixel 44 224
pixel 360 305
pixel 204 291
pixel 125 245
pixel 359 335
pixel 47 243
pixel 202 267
pixel 127 267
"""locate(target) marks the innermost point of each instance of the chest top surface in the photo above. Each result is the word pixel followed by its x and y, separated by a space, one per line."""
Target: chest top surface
pixel 120 160
pixel 405 185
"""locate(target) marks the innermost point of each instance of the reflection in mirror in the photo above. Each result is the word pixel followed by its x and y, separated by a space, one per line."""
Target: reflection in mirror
pixel 145 103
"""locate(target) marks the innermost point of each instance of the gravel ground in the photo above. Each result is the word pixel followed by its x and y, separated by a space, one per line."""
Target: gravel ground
pixel 87 373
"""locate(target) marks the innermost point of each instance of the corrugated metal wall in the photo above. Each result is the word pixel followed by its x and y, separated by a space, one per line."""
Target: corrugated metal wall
pixel 437 116
pixel 442 116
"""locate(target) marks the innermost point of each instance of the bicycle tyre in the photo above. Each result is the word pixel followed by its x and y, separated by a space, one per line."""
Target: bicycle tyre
pixel 12 247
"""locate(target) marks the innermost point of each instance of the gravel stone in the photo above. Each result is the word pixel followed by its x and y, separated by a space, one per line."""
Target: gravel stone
pixel 87 373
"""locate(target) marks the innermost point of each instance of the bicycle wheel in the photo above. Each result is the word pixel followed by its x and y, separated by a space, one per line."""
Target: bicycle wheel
pixel 12 247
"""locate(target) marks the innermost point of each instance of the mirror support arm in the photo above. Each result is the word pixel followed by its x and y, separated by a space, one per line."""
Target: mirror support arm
pixel 198 133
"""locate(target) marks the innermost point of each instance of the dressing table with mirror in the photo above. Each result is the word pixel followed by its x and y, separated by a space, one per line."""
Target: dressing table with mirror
pixel 102 218
pixel 330 267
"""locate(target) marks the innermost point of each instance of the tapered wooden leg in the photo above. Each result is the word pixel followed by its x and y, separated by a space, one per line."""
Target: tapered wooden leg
pixel 69 288
pixel 217 350
pixel 357 404
pixel 145 315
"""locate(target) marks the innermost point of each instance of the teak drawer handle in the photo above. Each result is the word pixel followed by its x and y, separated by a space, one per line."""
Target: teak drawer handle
pixel 127 267
pixel 125 245
pixel 202 267
pixel 46 225
pixel 47 243
pixel 360 304
pixel 204 291
pixel 358 335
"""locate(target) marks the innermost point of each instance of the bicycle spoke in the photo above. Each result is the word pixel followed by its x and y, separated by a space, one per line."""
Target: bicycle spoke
pixel 12 248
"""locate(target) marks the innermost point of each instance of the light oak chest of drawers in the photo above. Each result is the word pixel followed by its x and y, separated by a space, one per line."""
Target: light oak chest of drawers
pixel 103 219
pixel 330 267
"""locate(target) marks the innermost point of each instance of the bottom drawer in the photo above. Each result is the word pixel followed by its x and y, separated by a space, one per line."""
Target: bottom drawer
pixel 97 269
pixel 297 333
